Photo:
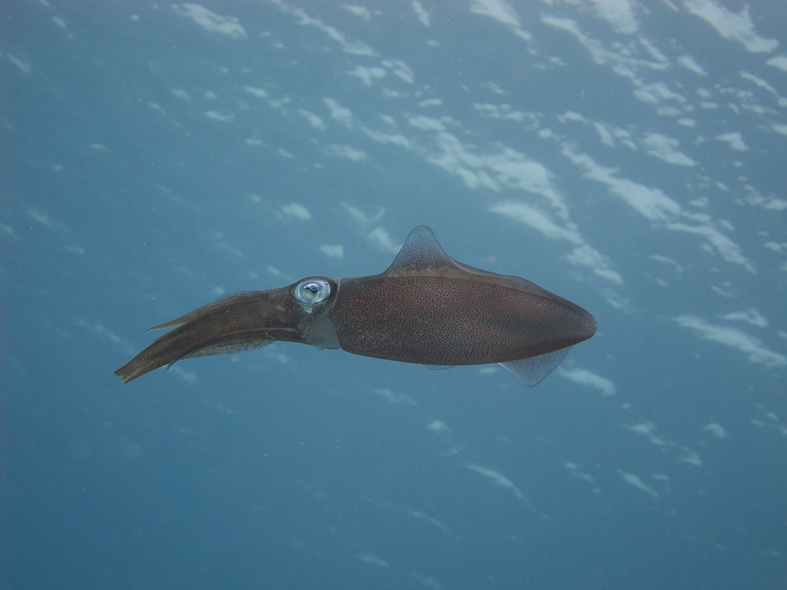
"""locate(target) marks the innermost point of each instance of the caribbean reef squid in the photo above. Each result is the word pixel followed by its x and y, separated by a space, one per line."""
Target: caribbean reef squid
pixel 425 308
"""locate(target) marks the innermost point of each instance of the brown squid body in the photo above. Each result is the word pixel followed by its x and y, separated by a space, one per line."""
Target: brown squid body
pixel 425 308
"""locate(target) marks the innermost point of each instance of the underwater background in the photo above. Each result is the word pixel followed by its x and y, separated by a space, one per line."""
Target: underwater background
pixel 629 156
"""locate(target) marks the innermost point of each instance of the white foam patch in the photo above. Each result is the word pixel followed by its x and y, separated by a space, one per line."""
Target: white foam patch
pixel 361 218
pixel 691 64
pixel 734 27
pixel 277 355
pixel 107 334
pixel 691 458
pixel 657 94
pixel 393 397
pixel 368 74
pixel 210 21
pixel 729 250
pixel 581 255
pixel 258 92
pixel 660 209
pixel 752 196
pixel 500 480
pixel 23 66
pixel 314 120
pixel 609 135
pixel 585 377
pixel 716 430
pixel 676 266
pixel 394 94
pixel 372 559
pixel 422 14
pixel 747 344
pixel 654 52
pixel 628 64
pixel 575 472
pixel 400 69
pixel 8 231
pixel 750 316
pixel 431 102
pixel 336 251
pixel 760 83
pixel 297 211
pixel 636 482
pixel 44 219
pixel 503 13
pixel 619 14
pixel 347 45
pixel 387 138
pixel 429 519
pixel 345 151
pixel 339 113
pixel 502 168
pixel 779 62
pixel 652 203
pixel 666 148
pixel 380 238
pixel 360 11
pixel 506 112
pixel 585 255
pixel 221 118
pixel 537 220
pixel 604 134
pixel 438 426
pixel 572 116
pixel 648 430
pixel 499 10
pixel 181 94
pixel 772 423
pixel 426 123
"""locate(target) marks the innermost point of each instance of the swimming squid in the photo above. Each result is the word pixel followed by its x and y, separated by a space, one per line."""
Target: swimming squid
pixel 425 308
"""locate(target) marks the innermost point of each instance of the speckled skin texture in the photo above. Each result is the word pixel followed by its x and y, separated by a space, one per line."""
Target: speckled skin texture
pixel 452 321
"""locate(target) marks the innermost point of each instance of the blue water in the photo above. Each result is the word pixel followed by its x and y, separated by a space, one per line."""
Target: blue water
pixel 156 157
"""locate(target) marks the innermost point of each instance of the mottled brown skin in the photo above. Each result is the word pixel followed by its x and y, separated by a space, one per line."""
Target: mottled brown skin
pixel 453 321
pixel 425 308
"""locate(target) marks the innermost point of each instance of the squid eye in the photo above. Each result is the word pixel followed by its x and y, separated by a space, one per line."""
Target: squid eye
pixel 311 291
